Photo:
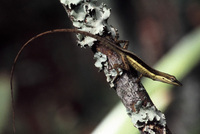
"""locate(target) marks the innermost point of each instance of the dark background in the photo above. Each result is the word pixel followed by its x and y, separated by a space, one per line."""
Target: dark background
pixel 57 87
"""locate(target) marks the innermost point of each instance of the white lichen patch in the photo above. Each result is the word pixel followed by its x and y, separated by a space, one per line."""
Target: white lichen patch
pixel 147 114
pixel 100 60
pixel 88 40
pixel 112 74
pixel 87 16
pixel 71 2
pixel 148 130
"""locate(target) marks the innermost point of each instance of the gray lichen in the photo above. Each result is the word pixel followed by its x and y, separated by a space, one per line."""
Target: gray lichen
pixel 145 115
pixel 87 16
pixel 100 60
pixel 101 63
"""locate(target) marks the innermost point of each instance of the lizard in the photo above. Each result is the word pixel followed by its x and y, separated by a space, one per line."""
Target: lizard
pixel 129 59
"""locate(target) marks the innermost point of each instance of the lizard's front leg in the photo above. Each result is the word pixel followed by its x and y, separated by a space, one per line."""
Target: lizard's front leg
pixel 125 42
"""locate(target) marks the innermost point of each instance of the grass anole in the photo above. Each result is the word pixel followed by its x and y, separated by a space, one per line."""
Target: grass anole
pixel 129 59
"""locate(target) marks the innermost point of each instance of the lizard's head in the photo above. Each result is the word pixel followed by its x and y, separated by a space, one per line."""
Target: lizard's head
pixel 169 79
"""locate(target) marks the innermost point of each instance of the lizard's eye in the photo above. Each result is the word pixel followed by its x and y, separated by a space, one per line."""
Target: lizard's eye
pixel 173 79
